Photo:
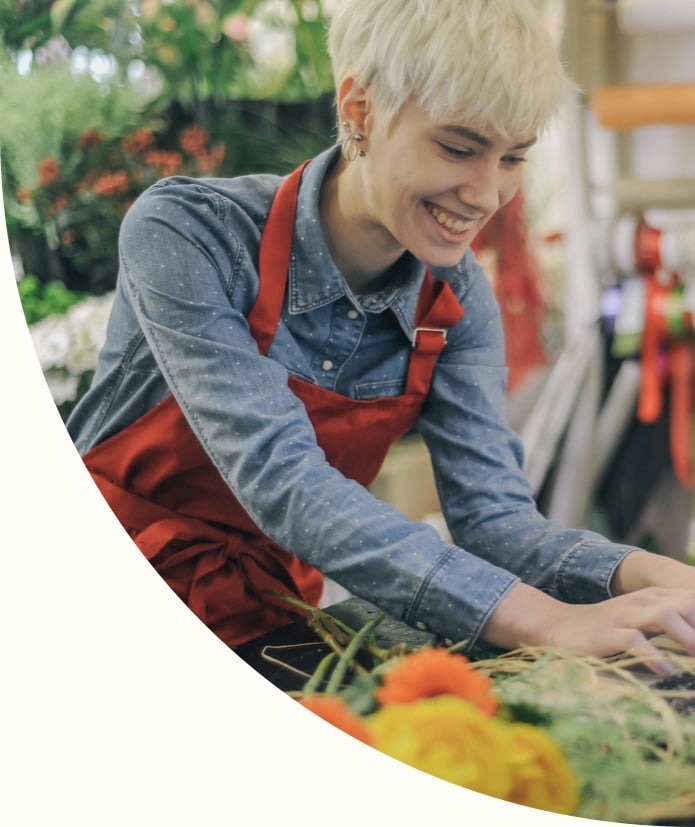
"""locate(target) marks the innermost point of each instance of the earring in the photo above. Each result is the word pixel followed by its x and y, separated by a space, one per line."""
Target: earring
pixel 350 149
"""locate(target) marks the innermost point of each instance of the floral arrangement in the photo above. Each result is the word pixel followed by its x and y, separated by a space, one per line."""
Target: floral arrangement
pixel 68 345
pixel 437 713
pixel 81 197
pixel 597 738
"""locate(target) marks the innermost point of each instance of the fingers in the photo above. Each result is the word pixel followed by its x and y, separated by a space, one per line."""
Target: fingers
pixel 679 628
pixel 655 611
pixel 640 648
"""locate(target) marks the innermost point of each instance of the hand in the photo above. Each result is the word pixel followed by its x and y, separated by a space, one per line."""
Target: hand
pixel 620 624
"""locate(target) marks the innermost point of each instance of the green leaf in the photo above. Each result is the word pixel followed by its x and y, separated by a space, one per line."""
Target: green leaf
pixel 60 12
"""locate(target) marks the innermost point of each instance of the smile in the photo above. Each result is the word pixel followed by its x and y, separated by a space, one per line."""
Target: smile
pixel 451 222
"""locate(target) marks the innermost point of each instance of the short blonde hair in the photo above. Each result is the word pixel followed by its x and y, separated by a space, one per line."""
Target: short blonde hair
pixel 489 63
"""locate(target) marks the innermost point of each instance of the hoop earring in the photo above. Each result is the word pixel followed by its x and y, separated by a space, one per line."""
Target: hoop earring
pixel 350 148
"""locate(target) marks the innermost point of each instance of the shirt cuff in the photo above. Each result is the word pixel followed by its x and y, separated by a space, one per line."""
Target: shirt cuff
pixel 582 583
pixel 457 597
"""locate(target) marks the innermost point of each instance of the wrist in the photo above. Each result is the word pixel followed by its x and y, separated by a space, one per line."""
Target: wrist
pixel 640 569
pixel 525 616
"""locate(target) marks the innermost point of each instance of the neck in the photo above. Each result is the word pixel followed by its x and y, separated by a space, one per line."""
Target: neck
pixel 356 243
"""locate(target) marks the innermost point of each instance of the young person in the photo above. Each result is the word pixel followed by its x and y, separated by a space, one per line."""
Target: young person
pixel 271 338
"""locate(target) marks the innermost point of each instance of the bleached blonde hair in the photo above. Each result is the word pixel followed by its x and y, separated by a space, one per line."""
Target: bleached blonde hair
pixel 489 63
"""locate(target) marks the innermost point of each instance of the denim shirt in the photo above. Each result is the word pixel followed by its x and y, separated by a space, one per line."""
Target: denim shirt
pixel 187 281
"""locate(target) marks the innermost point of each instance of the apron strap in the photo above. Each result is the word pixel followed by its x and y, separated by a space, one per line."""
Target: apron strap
pixel 273 259
pixel 438 311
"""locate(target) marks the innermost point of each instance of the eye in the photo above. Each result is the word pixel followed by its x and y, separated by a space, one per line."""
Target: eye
pixel 514 160
pixel 456 152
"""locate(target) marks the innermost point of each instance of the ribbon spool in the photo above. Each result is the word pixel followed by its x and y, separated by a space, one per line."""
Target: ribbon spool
pixel 666 358
pixel 650 258
pixel 635 246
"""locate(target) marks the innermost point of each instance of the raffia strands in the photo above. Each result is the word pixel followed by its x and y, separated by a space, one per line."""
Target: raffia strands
pixel 633 752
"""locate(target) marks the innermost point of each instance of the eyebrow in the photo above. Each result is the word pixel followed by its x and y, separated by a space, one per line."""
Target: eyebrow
pixel 472 135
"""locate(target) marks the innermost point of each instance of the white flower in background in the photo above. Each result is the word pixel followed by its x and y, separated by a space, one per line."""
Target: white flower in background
pixel 68 346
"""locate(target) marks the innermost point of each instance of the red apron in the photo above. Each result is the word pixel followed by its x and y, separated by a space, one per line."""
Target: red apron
pixel 174 503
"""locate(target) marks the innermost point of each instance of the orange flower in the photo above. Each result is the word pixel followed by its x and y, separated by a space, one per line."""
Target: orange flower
pixel 89 138
pixel 111 183
pixel 137 141
pixel 60 203
pixel 49 170
pixel 193 140
pixel 210 161
pixel 165 162
pixel 335 711
pixel 429 672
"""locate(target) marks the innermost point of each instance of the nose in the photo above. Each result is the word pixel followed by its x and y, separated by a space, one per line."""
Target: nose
pixel 483 188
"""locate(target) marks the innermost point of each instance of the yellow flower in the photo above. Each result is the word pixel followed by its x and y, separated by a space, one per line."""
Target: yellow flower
pixel 447 737
pixel 542 777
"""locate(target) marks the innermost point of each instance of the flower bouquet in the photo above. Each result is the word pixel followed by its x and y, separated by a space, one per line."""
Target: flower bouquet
pixel 597 738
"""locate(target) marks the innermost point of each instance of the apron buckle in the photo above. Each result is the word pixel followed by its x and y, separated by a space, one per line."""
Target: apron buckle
pixel 417 330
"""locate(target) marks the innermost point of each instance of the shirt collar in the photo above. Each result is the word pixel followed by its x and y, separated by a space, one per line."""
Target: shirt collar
pixel 314 280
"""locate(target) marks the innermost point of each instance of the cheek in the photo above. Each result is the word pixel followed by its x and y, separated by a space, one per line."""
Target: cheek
pixel 510 188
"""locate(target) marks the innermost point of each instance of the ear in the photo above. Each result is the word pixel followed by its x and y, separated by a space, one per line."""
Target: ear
pixel 354 105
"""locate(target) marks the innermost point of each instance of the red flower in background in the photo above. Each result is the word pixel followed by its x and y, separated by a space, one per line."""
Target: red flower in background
pixel 209 162
pixel 138 141
pixel 81 196
pixel 49 171
pixel 60 203
pixel 89 139
pixel 194 140
pixel 166 162
pixel 112 183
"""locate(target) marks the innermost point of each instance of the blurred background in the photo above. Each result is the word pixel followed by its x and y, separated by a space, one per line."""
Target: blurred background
pixel 592 262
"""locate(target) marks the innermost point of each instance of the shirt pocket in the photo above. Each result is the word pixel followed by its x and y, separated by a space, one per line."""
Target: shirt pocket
pixel 379 389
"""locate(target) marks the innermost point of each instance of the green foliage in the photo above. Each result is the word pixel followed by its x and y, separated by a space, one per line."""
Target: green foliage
pixel 634 755
pixel 47 110
pixel 30 24
pixel 253 73
pixel 203 50
pixel 40 300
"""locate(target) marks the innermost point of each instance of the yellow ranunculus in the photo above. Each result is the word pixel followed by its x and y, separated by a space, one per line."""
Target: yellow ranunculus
pixel 542 777
pixel 448 737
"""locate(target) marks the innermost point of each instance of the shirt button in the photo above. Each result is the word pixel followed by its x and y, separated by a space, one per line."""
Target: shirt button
pixel 327 364
pixel 352 314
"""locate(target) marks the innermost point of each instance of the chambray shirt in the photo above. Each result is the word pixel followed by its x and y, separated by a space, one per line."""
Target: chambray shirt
pixel 187 281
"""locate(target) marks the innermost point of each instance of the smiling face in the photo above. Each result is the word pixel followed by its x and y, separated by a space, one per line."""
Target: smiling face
pixel 424 186
pixel 431 187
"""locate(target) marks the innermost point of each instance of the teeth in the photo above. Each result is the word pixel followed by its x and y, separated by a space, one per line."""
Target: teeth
pixel 453 224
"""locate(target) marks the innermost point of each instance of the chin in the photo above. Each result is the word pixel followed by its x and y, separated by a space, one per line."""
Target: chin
pixel 445 258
